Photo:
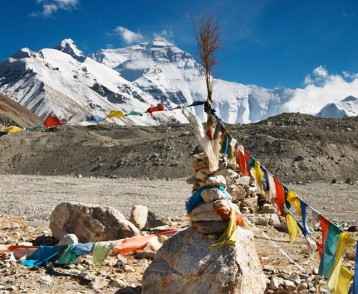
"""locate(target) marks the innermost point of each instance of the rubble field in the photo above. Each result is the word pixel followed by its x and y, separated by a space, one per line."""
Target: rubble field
pixel 27 201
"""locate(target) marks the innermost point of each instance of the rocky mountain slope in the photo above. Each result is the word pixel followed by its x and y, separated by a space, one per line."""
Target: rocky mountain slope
pixel 294 146
pixel 13 113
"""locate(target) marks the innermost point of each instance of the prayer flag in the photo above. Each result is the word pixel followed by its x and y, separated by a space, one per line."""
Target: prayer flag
pixel 330 246
pixel 340 277
pixel 292 227
pixel 305 229
pixel 280 198
pixel 241 160
pixel 355 283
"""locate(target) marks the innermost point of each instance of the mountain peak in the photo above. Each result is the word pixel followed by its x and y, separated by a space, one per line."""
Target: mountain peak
pixel 350 99
pixel 161 41
pixel 69 46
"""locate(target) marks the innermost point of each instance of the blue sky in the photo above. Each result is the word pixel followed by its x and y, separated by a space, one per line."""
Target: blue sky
pixel 265 42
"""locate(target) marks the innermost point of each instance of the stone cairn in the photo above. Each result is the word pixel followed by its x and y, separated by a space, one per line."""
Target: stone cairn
pixel 217 253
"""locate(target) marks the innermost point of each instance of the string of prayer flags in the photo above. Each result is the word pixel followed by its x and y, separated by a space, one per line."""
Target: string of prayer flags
pixel 333 242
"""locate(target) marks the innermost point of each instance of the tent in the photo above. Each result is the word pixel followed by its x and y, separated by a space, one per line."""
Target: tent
pixel 12 130
pixel 52 121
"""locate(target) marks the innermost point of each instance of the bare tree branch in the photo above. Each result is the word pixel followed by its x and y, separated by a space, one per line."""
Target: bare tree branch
pixel 208 43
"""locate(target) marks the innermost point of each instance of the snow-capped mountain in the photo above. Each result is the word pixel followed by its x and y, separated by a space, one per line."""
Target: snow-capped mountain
pixel 344 108
pixel 64 82
pixel 172 76
pixel 72 85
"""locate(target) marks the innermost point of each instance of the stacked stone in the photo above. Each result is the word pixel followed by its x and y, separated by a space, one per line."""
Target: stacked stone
pixel 192 261
pixel 205 217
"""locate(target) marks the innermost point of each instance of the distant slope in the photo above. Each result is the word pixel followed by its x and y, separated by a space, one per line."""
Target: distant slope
pixel 344 108
pixel 295 147
pixel 13 113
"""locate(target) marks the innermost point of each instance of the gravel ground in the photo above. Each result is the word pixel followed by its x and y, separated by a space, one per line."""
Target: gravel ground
pixel 34 197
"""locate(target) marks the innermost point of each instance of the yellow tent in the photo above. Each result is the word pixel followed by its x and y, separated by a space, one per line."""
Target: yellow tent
pixel 116 113
pixel 12 130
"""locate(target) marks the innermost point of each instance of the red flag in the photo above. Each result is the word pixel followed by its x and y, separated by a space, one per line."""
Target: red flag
pixel 280 196
pixel 242 161
pixel 324 229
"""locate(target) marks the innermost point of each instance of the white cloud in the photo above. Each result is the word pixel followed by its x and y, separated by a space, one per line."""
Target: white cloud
pixel 49 7
pixel 318 76
pixel 167 34
pixel 128 36
pixel 321 88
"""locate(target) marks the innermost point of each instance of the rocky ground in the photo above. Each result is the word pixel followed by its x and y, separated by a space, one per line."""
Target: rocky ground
pixel 26 202
pixel 121 167
pixel 296 147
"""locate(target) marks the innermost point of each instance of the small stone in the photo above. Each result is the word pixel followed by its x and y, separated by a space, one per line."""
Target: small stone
pixel 46 280
pixel 261 221
pixel 117 283
pixel 129 269
pixel 275 283
pixel 98 283
pixel 289 285
pixel 139 216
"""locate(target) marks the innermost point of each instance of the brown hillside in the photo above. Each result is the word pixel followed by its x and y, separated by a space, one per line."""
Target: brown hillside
pixel 12 112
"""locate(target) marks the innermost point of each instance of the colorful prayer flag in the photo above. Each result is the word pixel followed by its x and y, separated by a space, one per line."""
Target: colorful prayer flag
pixel 341 276
pixel 330 237
pixel 292 227
pixel 355 283
pixel 280 198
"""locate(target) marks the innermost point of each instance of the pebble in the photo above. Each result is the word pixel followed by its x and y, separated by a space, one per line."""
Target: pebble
pixel 46 280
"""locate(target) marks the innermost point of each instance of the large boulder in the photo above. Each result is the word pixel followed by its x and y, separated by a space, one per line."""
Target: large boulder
pixel 90 223
pixel 187 264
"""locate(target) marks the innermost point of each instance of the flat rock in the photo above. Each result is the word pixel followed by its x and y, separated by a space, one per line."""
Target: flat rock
pixel 186 264
pixel 90 223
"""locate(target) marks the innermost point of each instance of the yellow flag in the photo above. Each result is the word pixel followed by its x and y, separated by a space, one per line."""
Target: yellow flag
pixel 228 237
pixel 259 176
pixel 341 276
pixel 292 227
pixel 116 113
pixel 294 201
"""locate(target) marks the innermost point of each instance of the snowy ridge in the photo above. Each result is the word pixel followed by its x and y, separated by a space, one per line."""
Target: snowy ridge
pixel 344 108
pixel 55 81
